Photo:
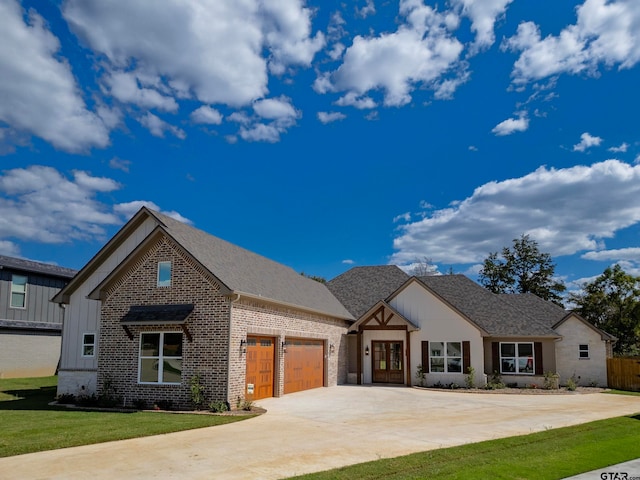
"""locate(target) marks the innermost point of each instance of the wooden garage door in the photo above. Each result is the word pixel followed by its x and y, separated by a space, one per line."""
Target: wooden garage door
pixel 303 364
pixel 260 361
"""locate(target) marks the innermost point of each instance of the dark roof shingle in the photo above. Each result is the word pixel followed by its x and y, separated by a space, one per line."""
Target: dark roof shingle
pixel 29 266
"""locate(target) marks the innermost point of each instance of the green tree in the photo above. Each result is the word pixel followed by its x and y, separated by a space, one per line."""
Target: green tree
pixel 612 302
pixel 523 268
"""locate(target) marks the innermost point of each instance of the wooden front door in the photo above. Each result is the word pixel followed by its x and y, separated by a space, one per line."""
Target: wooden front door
pixel 303 364
pixel 387 359
pixel 260 366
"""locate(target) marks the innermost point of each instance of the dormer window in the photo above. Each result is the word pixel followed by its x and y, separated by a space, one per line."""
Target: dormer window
pixel 164 274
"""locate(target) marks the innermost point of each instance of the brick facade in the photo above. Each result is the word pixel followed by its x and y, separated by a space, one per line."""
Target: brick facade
pixel 206 354
pixel 216 326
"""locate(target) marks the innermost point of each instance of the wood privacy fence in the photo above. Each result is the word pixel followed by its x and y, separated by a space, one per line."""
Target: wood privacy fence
pixel 623 373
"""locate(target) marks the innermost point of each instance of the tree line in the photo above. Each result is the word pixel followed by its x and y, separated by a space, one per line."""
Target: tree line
pixel 611 302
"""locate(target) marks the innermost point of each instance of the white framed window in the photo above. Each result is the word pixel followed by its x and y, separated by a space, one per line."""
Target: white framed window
pixel 517 358
pixel 164 274
pixel 160 358
pixel 18 291
pixel 88 344
pixel 583 351
pixel 445 357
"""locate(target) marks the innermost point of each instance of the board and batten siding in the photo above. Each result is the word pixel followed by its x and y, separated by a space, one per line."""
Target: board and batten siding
pixel 77 374
pixel 438 323
pixel 40 290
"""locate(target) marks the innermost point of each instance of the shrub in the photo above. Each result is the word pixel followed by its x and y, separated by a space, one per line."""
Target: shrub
pixel 163 404
pixel 197 391
pixel 246 405
pixel 66 399
pixel 218 406
pixel 420 374
pixel 495 382
pixel 139 404
pixel 469 378
pixel 572 383
pixel 551 381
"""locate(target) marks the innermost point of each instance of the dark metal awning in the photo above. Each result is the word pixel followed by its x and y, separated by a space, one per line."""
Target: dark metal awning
pixel 157 314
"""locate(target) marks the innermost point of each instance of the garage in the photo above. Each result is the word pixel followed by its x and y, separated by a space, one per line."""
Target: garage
pixel 303 364
pixel 260 363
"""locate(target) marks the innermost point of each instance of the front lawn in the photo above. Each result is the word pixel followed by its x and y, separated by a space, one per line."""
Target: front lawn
pixel 552 454
pixel 29 424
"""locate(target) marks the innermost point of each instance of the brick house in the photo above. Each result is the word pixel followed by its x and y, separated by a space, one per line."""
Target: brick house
pixel 170 302
pixel 163 302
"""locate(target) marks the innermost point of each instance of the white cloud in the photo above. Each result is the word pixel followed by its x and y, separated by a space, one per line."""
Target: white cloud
pixel 483 15
pixel 348 261
pixel 39 93
pixel 276 109
pixel 328 117
pixel 367 10
pixel 120 164
pixel 406 217
pixel 40 204
pixel 352 99
pixel 206 114
pixel 125 86
pixel 418 54
pixel 511 125
pixel 158 127
pixel 129 209
pixel 587 141
pixel 632 253
pixel 9 249
pixel 606 33
pixel 556 207
pixel 624 146
pixel 260 132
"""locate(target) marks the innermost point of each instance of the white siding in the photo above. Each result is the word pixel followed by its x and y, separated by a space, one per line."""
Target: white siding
pixel 438 323
pixel 82 315
pixel 592 370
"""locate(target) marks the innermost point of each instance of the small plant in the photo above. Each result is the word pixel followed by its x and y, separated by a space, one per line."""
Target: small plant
pixel 454 386
pixel 438 384
pixel 469 378
pixel 238 402
pixel 420 374
pixel 108 396
pixel 197 391
pixel 218 406
pixel 247 405
pixel 495 383
pixel 551 381
pixel 87 400
pixel 572 383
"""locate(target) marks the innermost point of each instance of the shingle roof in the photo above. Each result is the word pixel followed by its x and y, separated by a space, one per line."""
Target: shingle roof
pixel 362 287
pixel 488 310
pixel 29 266
pixel 246 272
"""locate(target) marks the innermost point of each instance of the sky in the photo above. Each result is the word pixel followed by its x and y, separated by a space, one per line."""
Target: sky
pixel 326 135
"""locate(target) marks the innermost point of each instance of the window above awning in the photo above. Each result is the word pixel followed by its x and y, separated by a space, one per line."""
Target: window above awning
pixel 157 314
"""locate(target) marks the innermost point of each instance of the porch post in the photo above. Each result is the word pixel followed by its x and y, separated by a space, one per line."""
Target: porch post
pixel 408 359
pixel 359 382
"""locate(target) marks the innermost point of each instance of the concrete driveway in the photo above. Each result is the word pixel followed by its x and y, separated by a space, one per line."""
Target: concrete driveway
pixel 322 429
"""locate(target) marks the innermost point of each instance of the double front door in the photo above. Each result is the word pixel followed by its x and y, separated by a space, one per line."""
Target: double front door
pixel 388 361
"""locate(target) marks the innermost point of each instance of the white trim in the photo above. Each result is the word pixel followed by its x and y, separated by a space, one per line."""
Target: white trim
pixel 11 292
pixel 159 357
pixel 445 356
pixel 164 283
pixel 581 351
pixel 85 344
pixel 516 357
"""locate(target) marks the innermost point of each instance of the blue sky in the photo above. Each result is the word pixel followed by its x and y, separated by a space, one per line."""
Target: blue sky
pixel 326 135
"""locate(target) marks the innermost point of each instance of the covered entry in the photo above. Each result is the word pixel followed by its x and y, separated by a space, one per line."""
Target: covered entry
pixel 303 364
pixel 260 367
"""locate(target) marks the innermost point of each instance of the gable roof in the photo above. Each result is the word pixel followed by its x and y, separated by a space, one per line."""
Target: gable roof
pixel 29 266
pixel 239 270
pixel 360 288
pixel 548 312
pixel 488 310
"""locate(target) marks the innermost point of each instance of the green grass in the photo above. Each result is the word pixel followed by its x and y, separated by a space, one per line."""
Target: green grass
pixel 29 424
pixel 552 454
pixel 623 392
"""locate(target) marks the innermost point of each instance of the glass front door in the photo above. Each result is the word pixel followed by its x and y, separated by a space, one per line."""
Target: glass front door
pixel 387 361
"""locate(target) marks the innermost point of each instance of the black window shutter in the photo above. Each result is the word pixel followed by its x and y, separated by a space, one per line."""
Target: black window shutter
pixel 425 356
pixel 495 357
pixel 537 357
pixel 466 356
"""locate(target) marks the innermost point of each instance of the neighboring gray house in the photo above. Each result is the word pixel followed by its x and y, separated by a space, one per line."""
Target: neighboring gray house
pixel 30 324
pixel 448 323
